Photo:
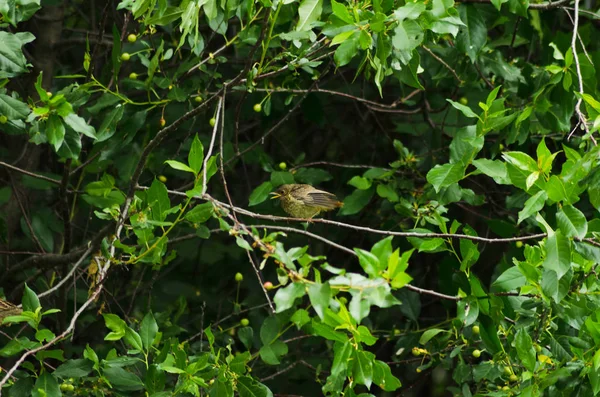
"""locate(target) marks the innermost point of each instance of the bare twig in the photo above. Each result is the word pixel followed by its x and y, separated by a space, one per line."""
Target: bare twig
pixel 580 115
pixel 31 174
pixel 440 60
pixel 68 276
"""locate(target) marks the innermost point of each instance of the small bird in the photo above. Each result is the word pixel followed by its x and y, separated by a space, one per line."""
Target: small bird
pixel 8 309
pixel 304 201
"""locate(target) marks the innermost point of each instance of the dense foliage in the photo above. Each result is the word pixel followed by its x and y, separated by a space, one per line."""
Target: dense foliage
pixel 141 140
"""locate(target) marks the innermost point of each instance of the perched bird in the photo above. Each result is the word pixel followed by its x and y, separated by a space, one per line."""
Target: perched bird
pixel 8 309
pixel 304 201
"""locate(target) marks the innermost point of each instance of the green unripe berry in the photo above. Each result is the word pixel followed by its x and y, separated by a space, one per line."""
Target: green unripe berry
pixel 538 348
pixel 514 378
pixel 132 38
pixel 3 119
pixel 463 101
pixel 64 386
pixel 212 122
pixel 70 388
pixel 133 76
pixel 416 351
pixel 476 353
pixel 343 300
pixel 244 322
pixel 198 99
pixel 507 370
pixel 519 244
pixel 282 166
pixel 239 277
pixel 505 388
pixel 257 107
pixel 475 329
pixel 501 147
pixel 125 57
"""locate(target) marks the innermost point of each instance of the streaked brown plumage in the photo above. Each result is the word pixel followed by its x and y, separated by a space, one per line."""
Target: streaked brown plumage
pixel 304 201
pixel 8 309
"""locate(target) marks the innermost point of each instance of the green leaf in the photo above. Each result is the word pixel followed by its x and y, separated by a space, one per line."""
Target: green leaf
pixel 180 166
pixel 510 280
pixel 387 192
pixel 260 194
pixel 489 335
pixel 272 353
pixel 495 169
pixel 285 297
pixel 525 349
pixel 572 222
pixel 369 262
pixel 200 213
pixel 340 11
pixel 347 50
pixel 383 250
pixel 309 11
pixel 472 37
pixel 196 155
pixel 279 178
pixel 246 335
pixel 123 380
pixel 328 332
pixel 360 182
pixel 558 254
pixel 356 201
pixel 269 330
pixel 109 123
pixel 319 295
pixel 79 125
pixel 249 387
pixel 55 131
pixel 534 204
pixel 445 175
pixel 363 368
pixel 12 60
pixel 74 368
pixel 382 376
pixel 116 325
pixel 341 37
pixel 430 333
pixel 46 385
pixel 30 300
pixel 158 200
pixel 464 109
pixel 11 107
pixel 133 339
pixel 148 330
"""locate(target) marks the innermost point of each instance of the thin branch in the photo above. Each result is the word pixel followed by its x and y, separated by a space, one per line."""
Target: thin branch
pixel 68 276
pixel 212 144
pixel 533 6
pixel 578 111
pixel 31 174
pixel 370 230
pixel 440 60
pixel 336 93
pixel 433 293
pixel 306 233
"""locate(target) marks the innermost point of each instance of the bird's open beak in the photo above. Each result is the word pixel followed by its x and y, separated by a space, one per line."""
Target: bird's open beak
pixel 275 195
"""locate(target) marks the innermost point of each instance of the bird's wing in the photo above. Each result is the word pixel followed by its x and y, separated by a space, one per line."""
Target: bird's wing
pixel 320 198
